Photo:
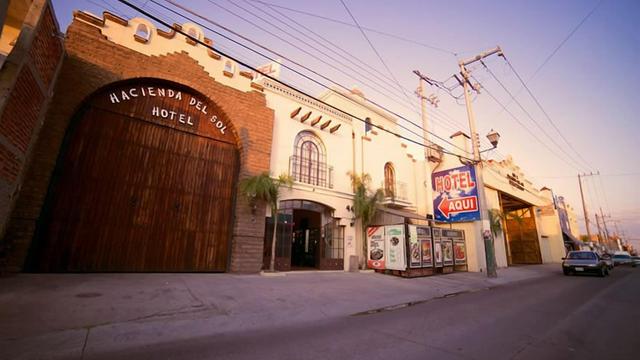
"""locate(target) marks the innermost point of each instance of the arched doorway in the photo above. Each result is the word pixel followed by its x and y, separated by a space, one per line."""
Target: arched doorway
pixel 145 181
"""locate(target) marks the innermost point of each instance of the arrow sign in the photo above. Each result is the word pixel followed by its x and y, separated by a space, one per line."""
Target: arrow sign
pixel 458 205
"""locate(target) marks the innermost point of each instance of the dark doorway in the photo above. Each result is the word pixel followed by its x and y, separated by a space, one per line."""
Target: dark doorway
pixel 306 238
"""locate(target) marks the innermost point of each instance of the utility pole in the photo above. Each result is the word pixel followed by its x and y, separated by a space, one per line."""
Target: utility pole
pixel 485 228
pixel 599 229
pixel 604 225
pixel 428 150
pixel 584 208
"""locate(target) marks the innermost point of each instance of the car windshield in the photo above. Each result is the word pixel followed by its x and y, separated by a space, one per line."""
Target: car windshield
pixel 621 256
pixel 582 255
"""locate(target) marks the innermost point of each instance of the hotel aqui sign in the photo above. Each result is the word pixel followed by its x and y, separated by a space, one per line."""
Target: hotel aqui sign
pixel 455 195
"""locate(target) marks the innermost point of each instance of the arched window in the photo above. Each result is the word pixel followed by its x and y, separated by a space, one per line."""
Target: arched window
pixel 308 162
pixel 142 33
pixel 389 180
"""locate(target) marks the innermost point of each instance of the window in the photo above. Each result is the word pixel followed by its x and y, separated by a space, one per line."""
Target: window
pixel 228 66
pixel 389 180
pixel 308 162
pixel 367 125
pixel 142 33
pixel 333 240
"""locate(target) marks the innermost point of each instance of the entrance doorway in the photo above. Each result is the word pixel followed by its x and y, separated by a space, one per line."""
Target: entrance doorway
pixel 308 237
pixel 521 234
pixel 132 193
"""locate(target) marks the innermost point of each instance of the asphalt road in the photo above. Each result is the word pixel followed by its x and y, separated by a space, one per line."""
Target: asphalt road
pixel 555 317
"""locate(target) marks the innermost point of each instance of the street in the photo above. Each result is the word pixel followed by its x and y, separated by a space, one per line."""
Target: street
pixel 554 317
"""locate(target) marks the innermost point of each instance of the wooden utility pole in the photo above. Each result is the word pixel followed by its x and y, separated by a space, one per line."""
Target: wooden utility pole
pixel 584 209
pixel 485 229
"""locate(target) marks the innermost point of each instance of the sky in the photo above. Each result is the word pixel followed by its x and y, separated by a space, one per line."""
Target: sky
pixel 577 58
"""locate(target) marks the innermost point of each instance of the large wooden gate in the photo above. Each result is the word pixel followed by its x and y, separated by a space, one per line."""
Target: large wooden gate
pixel 144 183
pixel 522 236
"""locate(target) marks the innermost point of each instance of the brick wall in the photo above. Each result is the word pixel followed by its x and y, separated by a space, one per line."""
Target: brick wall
pixel 93 62
pixel 26 82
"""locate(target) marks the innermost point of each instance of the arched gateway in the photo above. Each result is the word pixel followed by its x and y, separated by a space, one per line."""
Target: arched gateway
pixel 145 181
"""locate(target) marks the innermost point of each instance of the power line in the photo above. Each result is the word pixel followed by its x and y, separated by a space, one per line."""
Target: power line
pixel 397 37
pixel 522 124
pixel 292 69
pixel 557 48
pixel 362 75
pixel 529 115
pixel 575 29
pixel 374 48
pixel 291 20
pixel 544 111
pixel 155 18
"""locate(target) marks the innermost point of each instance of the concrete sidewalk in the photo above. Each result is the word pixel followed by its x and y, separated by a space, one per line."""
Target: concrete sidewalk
pixel 77 315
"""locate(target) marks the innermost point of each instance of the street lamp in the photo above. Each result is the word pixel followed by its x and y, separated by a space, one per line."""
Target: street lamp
pixel 493 137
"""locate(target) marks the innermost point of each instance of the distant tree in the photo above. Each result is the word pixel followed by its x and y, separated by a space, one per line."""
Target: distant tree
pixel 266 189
pixel 365 205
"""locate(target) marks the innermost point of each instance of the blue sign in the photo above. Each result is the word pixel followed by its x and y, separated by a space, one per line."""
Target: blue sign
pixel 455 195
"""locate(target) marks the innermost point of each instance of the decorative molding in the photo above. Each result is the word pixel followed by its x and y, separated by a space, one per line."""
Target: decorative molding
pixel 140 39
pixel 316 120
pixel 115 18
pixel 306 116
pixel 169 34
pixel 335 128
pixel 257 86
pixel 227 73
pixel 366 138
pixel 326 123
pixel 301 98
pixel 296 112
pixel 247 74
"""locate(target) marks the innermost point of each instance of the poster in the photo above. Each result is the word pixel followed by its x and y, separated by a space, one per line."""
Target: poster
pixel 455 195
pixel 395 248
pixel 375 247
pixel 415 254
pixel 426 248
pixel 447 252
pixel 460 252
pixel 437 250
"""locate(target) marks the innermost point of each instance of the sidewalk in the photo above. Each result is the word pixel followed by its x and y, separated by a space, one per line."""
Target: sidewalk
pixel 76 315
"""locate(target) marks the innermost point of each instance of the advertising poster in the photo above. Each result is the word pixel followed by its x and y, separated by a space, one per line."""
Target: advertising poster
pixel 460 252
pixel 426 248
pixel 375 247
pixel 395 248
pixel 447 252
pixel 414 248
pixel 455 195
pixel 437 250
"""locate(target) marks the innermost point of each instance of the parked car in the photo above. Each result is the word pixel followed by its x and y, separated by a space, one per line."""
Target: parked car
pixel 623 258
pixel 584 262
pixel 636 259
pixel 607 259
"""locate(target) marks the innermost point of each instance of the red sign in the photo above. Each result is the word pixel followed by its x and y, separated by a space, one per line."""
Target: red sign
pixel 458 205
